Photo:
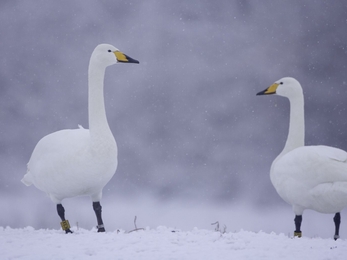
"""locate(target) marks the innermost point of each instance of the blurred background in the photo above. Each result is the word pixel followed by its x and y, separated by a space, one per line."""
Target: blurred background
pixel 195 143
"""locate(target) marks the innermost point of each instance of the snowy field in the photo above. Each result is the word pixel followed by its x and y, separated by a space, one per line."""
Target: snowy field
pixel 163 243
pixel 171 230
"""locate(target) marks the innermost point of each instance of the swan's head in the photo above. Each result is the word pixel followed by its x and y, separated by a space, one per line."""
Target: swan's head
pixel 107 55
pixel 286 87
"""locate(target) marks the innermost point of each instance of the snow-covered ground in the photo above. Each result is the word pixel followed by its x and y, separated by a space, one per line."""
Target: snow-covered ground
pixel 163 243
pixel 172 230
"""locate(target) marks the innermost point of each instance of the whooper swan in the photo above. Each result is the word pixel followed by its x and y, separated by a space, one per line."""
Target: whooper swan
pixel 307 177
pixel 80 162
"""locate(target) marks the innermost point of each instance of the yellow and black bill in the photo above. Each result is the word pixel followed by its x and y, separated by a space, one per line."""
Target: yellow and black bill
pixel 121 57
pixel 269 91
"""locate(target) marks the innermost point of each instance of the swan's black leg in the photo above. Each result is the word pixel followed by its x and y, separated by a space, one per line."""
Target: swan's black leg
pixel 337 221
pixel 297 221
pixel 97 208
pixel 64 223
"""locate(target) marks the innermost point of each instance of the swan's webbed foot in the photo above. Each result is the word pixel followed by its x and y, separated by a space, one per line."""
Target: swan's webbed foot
pixel 101 228
pixel 67 231
pixel 65 225
pixel 297 234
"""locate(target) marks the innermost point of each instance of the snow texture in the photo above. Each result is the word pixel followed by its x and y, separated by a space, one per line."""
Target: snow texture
pixel 163 243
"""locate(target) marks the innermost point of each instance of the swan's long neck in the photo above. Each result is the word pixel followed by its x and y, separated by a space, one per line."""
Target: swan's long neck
pixel 296 134
pixel 98 124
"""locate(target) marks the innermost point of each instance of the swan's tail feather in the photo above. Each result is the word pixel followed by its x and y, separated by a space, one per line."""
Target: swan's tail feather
pixel 27 180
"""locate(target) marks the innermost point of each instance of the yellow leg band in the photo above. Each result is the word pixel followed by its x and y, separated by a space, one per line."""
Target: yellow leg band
pixel 297 234
pixel 65 225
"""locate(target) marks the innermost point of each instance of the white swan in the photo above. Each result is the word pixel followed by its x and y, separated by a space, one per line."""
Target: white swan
pixel 307 177
pixel 76 162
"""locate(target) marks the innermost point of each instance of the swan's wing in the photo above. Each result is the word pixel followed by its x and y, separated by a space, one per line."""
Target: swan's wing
pixel 329 163
pixel 27 180
pixel 330 197
pixel 314 165
pixel 331 152
pixel 59 146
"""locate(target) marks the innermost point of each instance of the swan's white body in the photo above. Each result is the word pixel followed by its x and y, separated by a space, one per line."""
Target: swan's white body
pixel 65 164
pixel 312 177
pixel 77 162
pixel 307 177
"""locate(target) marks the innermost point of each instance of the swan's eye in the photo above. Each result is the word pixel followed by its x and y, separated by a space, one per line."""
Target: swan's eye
pixel 281 83
pixel 109 51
